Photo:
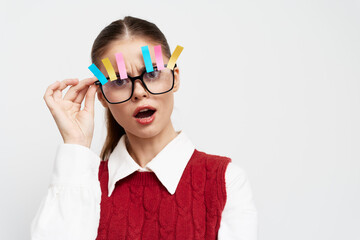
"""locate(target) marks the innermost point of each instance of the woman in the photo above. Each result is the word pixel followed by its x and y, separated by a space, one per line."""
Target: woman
pixel 150 182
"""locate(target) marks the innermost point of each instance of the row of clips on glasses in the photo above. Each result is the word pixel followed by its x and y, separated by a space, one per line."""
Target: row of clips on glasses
pixel 147 60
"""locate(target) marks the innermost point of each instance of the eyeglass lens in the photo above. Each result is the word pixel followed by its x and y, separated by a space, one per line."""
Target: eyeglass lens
pixel 157 81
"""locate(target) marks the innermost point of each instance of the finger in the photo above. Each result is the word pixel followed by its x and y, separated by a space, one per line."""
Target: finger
pixel 90 99
pixel 80 97
pixel 49 94
pixel 64 84
pixel 75 91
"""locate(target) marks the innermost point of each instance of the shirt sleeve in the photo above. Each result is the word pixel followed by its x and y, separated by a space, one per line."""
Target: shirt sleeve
pixel 71 207
pixel 239 218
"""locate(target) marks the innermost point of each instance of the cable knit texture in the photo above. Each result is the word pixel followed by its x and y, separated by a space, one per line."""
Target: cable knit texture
pixel 140 207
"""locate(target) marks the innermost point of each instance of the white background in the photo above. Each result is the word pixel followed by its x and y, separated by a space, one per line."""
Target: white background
pixel 272 84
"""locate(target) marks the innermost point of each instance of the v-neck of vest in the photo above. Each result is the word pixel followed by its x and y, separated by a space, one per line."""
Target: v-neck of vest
pixel 141 178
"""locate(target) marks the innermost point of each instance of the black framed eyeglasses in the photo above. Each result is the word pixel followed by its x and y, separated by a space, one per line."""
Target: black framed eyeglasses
pixel 121 90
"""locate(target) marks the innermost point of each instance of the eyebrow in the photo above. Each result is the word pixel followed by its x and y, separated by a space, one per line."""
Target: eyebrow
pixel 142 69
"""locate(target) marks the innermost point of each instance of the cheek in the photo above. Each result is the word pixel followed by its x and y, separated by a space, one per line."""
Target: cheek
pixel 167 104
pixel 121 114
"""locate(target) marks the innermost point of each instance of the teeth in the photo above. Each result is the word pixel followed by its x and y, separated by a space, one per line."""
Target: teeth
pixel 144 110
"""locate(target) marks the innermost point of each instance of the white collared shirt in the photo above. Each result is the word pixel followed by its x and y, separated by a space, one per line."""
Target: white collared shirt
pixel 71 207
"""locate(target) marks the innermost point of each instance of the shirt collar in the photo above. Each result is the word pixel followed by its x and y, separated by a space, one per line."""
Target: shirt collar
pixel 168 165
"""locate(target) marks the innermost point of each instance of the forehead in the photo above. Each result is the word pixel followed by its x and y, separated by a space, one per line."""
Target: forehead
pixel 130 49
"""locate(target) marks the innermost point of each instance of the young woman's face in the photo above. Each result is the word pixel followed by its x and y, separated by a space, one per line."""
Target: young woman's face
pixel 123 112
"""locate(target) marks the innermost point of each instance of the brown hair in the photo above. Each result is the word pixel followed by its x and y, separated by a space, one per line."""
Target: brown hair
pixel 117 30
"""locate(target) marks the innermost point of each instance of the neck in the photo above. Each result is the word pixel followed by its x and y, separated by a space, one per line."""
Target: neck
pixel 143 150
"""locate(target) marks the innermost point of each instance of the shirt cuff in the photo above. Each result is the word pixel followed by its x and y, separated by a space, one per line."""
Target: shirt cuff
pixel 75 165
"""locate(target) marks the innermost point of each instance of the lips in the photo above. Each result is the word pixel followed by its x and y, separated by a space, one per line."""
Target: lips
pixel 138 109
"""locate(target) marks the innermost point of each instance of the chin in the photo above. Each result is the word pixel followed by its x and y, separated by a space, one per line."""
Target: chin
pixel 146 132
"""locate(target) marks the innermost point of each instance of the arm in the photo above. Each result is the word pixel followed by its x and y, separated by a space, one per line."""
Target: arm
pixel 239 217
pixel 71 207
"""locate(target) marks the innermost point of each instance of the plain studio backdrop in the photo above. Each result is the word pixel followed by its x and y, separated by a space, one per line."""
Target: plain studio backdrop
pixel 272 84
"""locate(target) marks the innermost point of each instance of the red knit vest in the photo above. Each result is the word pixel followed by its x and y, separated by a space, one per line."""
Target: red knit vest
pixel 140 207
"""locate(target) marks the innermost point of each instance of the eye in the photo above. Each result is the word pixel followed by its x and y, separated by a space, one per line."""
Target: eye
pixel 153 75
pixel 119 82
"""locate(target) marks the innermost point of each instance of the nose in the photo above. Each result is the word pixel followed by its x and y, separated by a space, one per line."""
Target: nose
pixel 139 90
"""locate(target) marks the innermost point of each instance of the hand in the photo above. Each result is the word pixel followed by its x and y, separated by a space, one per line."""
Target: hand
pixel 76 126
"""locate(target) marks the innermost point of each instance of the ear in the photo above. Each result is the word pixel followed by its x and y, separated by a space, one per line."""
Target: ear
pixel 101 98
pixel 176 79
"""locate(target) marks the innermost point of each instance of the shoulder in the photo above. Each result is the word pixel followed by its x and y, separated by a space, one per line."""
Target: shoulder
pixel 212 166
pixel 210 160
pixel 234 174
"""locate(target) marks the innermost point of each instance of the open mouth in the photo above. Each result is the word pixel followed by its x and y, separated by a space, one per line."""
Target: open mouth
pixel 146 113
